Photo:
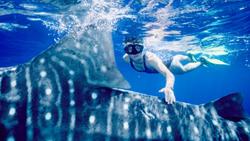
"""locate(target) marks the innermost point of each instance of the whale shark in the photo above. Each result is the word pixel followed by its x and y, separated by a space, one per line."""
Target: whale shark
pixel 73 91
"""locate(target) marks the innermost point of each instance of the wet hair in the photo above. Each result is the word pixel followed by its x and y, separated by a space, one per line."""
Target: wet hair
pixel 133 40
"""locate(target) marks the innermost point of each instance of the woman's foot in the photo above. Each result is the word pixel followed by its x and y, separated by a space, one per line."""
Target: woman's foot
pixel 204 60
pixel 191 56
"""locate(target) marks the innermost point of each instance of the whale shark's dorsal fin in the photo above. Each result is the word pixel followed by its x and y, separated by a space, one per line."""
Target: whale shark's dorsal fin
pixel 230 107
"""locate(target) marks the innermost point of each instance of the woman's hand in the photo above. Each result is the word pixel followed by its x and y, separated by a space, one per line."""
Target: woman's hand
pixel 169 95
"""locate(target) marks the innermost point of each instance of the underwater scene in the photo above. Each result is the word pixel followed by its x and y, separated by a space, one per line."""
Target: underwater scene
pixel 124 70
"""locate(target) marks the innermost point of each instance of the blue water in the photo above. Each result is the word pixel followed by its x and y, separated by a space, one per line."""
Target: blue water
pixel 209 23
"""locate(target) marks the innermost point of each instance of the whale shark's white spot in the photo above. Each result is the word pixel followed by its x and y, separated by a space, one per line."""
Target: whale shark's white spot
pixel 42 61
pixel 72 103
pixel 48 91
pixel 13 83
pixel 12 111
pixel 125 125
pixel 196 131
pixel 203 110
pixel 184 105
pixel 94 95
pixel 246 129
pixel 191 117
pixel 61 63
pixel 43 73
pixel 165 111
pixel 92 119
pixel 125 106
pixel 222 138
pixel 72 56
pixel 215 122
pixel 48 116
pixel 78 45
pixel 11 138
pixel 127 99
pixel 227 136
pixel 71 72
pixel 70 82
pixel 148 133
pixel 197 111
pixel 29 120
pixel 137 97
pixel 169 129
pixel 104 68
pixel 213 113
pixel 72 90
pixel 159 100
pixel 95 50
pixel 54 59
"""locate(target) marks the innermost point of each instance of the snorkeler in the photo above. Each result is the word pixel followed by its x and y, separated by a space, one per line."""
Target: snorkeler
pixel 145 61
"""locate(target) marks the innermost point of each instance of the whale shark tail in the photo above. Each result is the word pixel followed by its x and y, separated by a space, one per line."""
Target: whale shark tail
pixel 230 107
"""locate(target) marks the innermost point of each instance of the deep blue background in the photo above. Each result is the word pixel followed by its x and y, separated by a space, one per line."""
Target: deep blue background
pixel 21 44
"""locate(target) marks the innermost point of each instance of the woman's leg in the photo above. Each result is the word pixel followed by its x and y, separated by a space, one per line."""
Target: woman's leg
pixel 177 67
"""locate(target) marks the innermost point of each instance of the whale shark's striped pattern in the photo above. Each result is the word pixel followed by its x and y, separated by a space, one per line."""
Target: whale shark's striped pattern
pixel 53 79
pixel 70 92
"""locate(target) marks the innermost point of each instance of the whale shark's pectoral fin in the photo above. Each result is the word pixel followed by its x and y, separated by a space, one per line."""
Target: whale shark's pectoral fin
pixel 230 107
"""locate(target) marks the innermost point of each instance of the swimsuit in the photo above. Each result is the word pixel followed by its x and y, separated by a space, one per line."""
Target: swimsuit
pixel 149 69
